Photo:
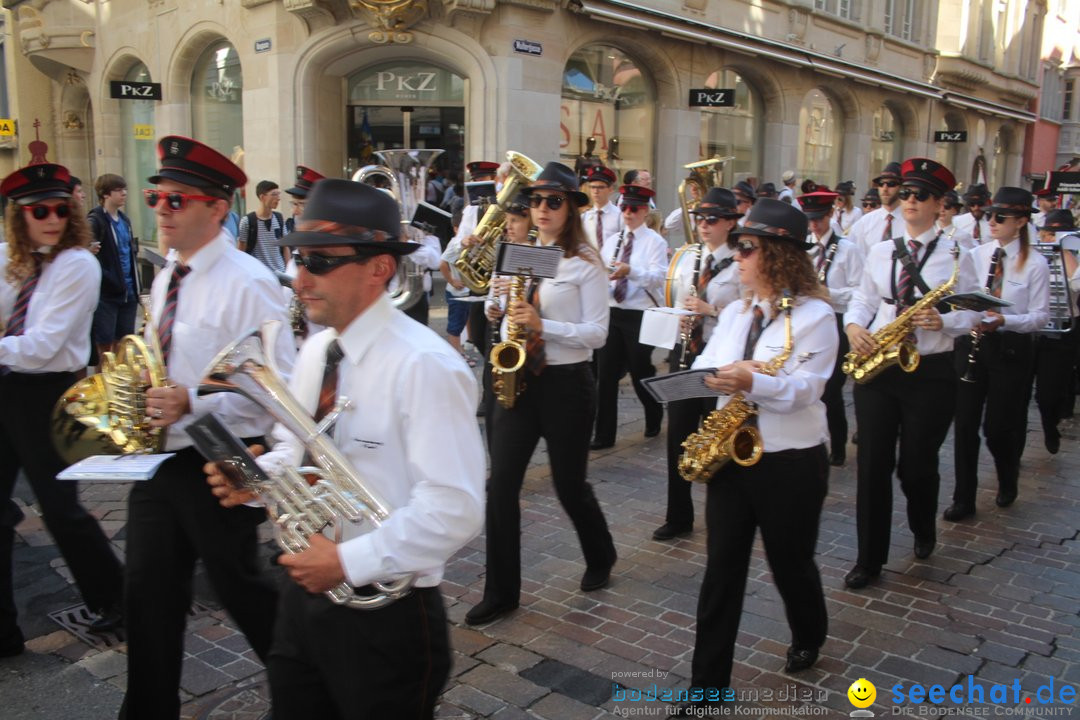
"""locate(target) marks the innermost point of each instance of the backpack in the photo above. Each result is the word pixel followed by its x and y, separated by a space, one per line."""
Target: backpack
pixel 253 229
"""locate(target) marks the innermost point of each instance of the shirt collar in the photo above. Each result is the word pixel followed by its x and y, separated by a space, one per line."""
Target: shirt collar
pixel 765 305
pixel 363 331
pixel 1012 248
pixel 205 257
pixel 925 238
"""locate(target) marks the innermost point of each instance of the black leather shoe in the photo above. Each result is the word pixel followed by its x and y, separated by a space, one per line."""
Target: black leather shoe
pixel 800 659
pixel 12 644
pixel 1005 499
pixel 598 445
pixel 667 531
pixel 487 611
pixel 855 438
pixel 860 576
pixel 595 579
pixel 107 621
pixel 652 431
pixel 923 548
pixel 837 459
pixel 958 511
pixel 1052 439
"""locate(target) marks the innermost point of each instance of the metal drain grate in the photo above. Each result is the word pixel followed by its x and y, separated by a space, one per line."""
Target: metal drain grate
pixel 77 618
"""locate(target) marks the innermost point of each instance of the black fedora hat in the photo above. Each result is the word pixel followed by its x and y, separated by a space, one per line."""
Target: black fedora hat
pixel 1059 220
pixel 978 192
pixel 718 202
pixel 889 172
pixel 519 205
pixel 847 187
pixel 343 212
pixel 744 191
pixel 776 220
pixel 1012 201
pixel 557 177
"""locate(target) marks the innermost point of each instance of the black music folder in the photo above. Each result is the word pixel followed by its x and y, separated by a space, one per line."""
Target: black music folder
pixel 977 301
pixel 219 444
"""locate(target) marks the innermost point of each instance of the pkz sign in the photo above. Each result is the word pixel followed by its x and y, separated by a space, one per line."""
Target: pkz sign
pixel 130 90
pixel 950 136
pixel 712 97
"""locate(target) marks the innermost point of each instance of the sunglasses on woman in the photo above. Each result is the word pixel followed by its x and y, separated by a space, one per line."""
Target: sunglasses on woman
pixel 632 209
pixel 322 264
pixel 1002 217
pixel 176 201
pixel 40 212
pixel 554 202
pixel 745 248
pixel 709 220
pixel 920 194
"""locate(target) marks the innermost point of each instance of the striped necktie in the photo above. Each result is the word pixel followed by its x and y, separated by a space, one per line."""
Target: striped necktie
pixel 976 231
pixel 17 321
pixel 599 228
pixel 887 235
pixel 168 315
pixel 905 287
pixel 621 285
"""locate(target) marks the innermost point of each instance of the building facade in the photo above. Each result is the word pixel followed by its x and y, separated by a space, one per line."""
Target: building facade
pixel 833 89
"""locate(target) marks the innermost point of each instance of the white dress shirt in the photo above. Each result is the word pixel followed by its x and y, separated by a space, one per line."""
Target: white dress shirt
pixel 612 221
pixel 227 294
pixel 675 229
pixel 844 272
pixel 790 412
pixel 648 267
pixel 961 237
pixel 469 220
pixel 868 306
pixel 56 334
pixel 410 434
pixel 573 309
pixel 869 230
pixel 1027 287
pixel 966 222
pixel 724 288
pixel 843 220
pixel 427 257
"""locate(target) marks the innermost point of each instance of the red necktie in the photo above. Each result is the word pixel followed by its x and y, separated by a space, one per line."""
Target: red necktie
pixel 535 355
pixel 621 283
pixel 705 276
pixel 887 235
pixel 17 321
pixel 976 231
pixel 755 333
pixel 168 315
pixel 327 397
pixel 599 228
pixel 905 288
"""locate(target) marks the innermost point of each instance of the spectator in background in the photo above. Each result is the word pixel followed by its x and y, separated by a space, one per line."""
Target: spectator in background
pixel 788 193
pixel 260 230
pixel 116 248
pixel 77 192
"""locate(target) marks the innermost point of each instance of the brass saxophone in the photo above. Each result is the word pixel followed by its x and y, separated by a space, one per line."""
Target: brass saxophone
pixel 725 435
pixel 476 263
pixel 893 345
pixel 508 357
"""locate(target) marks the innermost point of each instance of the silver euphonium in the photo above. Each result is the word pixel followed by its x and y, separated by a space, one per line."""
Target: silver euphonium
pixel 297 508
pixel 406 172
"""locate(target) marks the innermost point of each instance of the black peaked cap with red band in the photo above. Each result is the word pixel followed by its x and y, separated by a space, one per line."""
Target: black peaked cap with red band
pixel 305 178
pixel 929 174
pixel 190 162
pixel 599 173
pixel 34 183
pixel 636 195
pixel 818 204
pixel 482 167
pixel 343 212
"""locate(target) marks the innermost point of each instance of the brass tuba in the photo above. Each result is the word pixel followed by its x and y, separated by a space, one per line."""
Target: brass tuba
pixel 725 434
pixel 405 171
pixel 300 510
pixel 105 413
pixel 478 262
pixel 508 357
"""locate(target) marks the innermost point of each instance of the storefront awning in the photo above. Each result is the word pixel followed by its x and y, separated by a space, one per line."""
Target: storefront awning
pixel 633 14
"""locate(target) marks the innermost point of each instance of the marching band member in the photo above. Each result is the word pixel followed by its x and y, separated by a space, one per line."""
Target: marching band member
pixel 1047 201
pixel 871 200
pixel 637 257
pixel 305 179
pixel 745 197
pixel 886 222
pixel 210 294
pixel 412 436
pixel 950 206
pixel 996 373
pixel 602 219
pixel 48 295
pixel 915 407
pixel 783 493
pixel 718 285
pixel 1055 354
pixel 846 212
pixel 975 222
pixel 558 401
pixel 839 267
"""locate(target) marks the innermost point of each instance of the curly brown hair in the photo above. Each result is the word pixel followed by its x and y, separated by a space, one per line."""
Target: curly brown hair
pixel 20 262
pixel 785 265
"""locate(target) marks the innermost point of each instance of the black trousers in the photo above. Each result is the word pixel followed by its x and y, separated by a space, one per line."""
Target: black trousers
pixel 26 443
pixel 1055 366
pixel 622 350
pixel 684 418
pixel 833 397
pixel 782 495
pixel 419 310
pixel 173 520
pixel 998 401
pixel 337 663
pixel 916 409
pixel 556 405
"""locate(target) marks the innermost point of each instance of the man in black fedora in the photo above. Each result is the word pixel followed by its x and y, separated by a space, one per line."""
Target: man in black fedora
pixel 887 221
pixel 975 221
pixel 210 294
pixel 410 435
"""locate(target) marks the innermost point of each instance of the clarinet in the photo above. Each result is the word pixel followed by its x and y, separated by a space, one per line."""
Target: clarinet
pixel 976 336
pixel 828 261
pixel 684 338
pixel 618 249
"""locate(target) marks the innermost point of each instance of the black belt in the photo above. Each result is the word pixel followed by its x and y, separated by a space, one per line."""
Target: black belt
pixel 36 378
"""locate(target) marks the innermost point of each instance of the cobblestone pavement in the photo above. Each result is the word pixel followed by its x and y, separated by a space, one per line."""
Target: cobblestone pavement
pixel 998 600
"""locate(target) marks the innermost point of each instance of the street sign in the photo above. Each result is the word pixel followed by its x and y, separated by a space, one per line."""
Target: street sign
pixel 950 136
pixel 712 97
pixel 528 47
pixel 263 45
pixel 7 127
pixel 1064 182
pixel 131 90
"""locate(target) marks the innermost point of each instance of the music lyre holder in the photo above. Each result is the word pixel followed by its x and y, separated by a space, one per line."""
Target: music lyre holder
pixel 536 261
pixel 977 301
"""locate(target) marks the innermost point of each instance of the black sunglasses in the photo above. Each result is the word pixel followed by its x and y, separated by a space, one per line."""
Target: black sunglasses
pixel 1002 217
pixel 40 212
pixel 174 200
pixel 920 194
pixel 553 201
pixel 709 219
pixel 745 248
pixel 887 183
pixel 868 204
pixel 322 264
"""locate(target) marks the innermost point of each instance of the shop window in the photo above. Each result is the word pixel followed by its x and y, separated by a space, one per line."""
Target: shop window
pixel 886 140
pixel 138 143
pixel 733 131
pixel 217 86
pixel 819 145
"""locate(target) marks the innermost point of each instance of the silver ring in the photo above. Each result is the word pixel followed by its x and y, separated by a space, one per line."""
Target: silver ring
pixel 160 412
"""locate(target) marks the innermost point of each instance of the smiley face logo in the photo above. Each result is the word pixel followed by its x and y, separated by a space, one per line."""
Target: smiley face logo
pixel 862 693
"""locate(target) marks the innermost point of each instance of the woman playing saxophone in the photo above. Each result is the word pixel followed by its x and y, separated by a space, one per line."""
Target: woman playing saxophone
pixel 782 493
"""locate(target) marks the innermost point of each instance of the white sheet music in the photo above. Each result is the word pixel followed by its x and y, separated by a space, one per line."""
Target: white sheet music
pixel 681 385
pixel 115 468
